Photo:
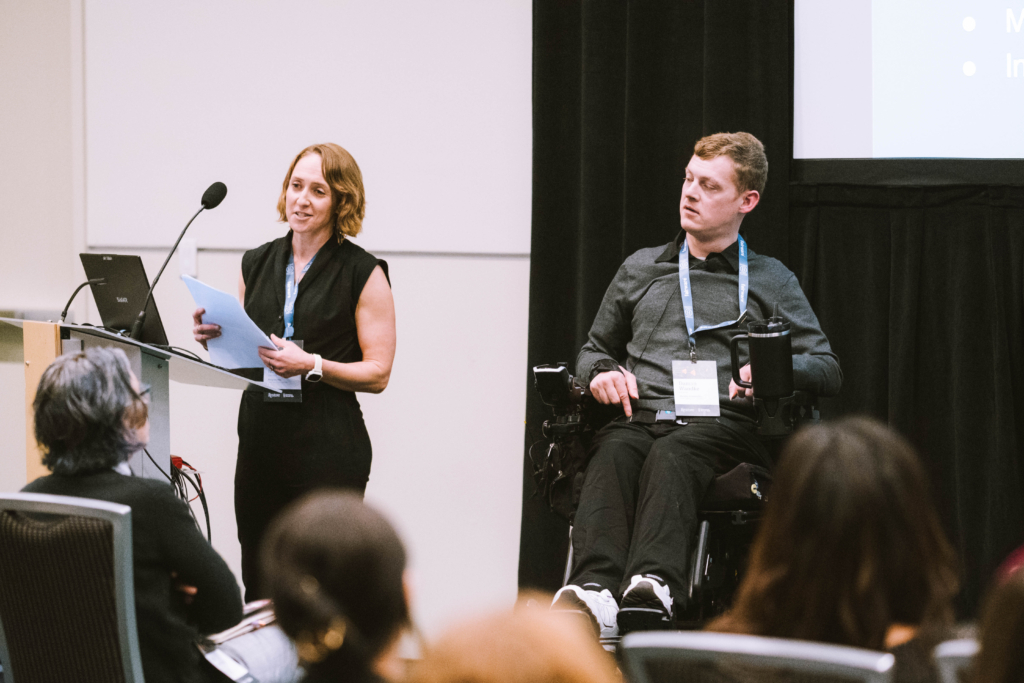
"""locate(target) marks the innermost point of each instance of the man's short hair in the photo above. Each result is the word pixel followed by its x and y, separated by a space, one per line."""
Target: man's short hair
pixel 86 412
pixel 746 152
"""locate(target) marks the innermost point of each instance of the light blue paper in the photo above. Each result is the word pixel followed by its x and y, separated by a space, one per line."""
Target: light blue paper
pixel 239 336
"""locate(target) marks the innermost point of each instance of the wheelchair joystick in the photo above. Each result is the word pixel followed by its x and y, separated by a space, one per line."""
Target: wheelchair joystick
pixel 556 473
pixel 561 391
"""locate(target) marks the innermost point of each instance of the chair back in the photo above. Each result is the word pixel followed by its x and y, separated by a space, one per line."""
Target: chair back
pixel 67 595
pixel 702 657
pixel 954 657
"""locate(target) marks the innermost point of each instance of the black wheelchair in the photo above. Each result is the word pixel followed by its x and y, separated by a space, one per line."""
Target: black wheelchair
pixel 728 515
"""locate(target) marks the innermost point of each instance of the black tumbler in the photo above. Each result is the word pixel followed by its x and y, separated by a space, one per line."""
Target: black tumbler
pixel 771 358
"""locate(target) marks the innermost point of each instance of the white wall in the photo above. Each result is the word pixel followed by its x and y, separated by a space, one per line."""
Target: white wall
pixel 432 99
pixel 832 79
pixel 12 410
pixel 36 224
pixel 447 433
pixel 36 154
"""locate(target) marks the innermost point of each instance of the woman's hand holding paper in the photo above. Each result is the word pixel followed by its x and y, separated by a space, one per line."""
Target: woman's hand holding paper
pixel 201 332
pixel 289 360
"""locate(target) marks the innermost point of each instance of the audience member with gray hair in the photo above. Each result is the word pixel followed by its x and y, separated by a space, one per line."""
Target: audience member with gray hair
pixel 90 412
pixel 91 415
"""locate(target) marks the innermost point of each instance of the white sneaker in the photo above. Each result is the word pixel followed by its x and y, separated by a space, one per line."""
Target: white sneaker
pixel 646 605
pixel 599 607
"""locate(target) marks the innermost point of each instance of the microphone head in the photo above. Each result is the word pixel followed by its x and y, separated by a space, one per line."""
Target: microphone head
pixel 214 195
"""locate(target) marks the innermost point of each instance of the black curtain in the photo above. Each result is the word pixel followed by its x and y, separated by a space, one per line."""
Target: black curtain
pixel 621 92
pixel 916 269
pixel 921 294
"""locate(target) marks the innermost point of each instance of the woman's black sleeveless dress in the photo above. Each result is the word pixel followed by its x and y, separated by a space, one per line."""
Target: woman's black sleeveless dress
pixel 288 449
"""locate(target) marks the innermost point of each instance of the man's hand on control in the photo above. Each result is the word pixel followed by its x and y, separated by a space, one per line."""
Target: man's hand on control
pixel 613 388
pixel 738 392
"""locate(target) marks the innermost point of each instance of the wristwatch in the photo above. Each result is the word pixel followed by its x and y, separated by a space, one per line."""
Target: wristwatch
pixel 317 373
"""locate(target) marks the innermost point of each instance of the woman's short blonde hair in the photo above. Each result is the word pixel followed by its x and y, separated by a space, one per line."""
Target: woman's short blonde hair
pixel 348 200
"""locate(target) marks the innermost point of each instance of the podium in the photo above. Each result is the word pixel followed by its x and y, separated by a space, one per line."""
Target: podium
pixel 157 367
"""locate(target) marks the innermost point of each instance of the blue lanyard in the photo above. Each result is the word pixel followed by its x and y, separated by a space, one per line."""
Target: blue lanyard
pixel 291 290
pixel 684 287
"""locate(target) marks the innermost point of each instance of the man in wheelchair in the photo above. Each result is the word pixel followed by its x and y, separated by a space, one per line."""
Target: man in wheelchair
pixel 660 348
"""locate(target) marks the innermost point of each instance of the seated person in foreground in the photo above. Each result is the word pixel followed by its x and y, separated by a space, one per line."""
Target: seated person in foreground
pixel 1001 632
pixel 526 646
pixel 90 417
pixel 335 569
pixel 637 513
pixel 850 550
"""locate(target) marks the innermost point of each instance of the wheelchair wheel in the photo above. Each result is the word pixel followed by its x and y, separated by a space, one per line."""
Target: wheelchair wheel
pixel 719 561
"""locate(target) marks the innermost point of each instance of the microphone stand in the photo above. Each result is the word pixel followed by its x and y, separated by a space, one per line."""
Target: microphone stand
pixel 94 281
pixel 141 320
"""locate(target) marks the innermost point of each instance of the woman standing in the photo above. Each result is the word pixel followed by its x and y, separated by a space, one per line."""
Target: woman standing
pixel 327 305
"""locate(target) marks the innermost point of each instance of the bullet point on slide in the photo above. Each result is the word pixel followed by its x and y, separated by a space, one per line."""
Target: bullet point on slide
pixel 969 68
pixel 968 23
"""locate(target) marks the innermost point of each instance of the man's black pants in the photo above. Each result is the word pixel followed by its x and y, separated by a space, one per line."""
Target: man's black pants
pixel 638 506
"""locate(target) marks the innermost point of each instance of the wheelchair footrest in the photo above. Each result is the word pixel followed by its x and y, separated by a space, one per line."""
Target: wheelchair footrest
pixel 643 619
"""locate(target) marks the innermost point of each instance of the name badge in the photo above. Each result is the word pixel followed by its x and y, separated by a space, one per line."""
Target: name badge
pixel 696 388
pixel 284 389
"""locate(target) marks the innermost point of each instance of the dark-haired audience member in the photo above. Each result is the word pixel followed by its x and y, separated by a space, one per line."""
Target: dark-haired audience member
pixel 1001 634
pixel 335 570
pixel 850 550
pixel 91 416
pixel 527 646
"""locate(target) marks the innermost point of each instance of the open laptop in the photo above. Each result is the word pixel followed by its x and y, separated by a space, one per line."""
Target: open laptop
pixel 120 298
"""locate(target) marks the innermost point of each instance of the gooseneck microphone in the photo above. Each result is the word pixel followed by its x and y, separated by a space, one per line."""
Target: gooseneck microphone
pixel 94 281
pixel 212 198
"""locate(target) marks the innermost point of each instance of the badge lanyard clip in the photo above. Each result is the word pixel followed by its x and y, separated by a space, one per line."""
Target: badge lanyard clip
pixel 684 288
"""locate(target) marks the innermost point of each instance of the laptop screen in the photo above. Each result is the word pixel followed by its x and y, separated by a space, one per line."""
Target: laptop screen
pixel 120 298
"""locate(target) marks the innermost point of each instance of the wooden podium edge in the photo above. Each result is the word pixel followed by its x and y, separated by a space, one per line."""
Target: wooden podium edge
pixel 42 346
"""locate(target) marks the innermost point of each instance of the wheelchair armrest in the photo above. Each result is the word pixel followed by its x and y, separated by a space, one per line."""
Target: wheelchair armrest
pixel 744 487
pixel 572 404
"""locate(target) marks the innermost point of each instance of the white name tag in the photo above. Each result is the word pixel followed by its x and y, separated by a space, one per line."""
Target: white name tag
pixel 282 389
pixel 696 388
pixel 279 383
